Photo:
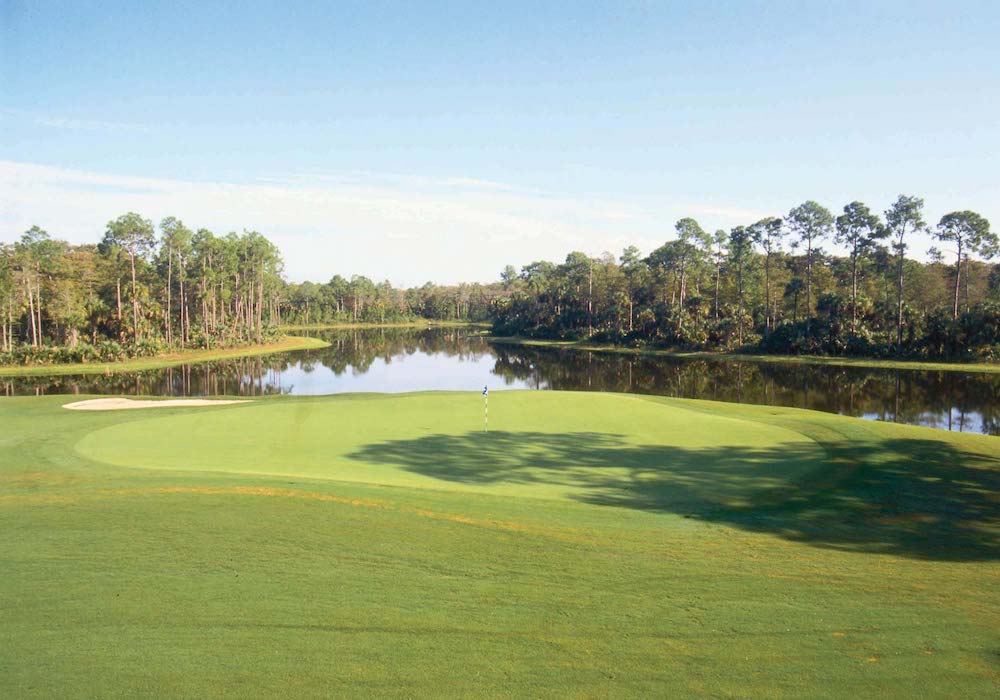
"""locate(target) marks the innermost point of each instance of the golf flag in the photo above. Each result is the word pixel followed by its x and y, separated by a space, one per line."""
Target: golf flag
pixel 486 409
pixel 486 391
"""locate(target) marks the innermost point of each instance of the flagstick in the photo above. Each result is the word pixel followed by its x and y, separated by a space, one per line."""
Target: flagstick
pixel 486 413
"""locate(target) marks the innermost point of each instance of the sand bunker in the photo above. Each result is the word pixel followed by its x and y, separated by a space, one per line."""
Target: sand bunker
pixel 125 404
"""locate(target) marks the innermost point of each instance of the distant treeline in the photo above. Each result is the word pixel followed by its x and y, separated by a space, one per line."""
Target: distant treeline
pixel 767 286
pixel 144 289
pixel 360 300
pixel 135 293
pixel 770 287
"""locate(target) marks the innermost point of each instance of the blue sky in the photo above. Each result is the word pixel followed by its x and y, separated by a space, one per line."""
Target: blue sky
pixel 443 142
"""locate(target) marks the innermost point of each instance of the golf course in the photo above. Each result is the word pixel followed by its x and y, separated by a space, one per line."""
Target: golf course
pixel 586 545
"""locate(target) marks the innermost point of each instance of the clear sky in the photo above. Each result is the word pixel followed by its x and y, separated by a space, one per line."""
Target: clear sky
pixel 441 141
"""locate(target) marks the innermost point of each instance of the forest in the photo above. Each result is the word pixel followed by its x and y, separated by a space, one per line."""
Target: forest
pixel 135 293
pixel 768 286
pixel 144 289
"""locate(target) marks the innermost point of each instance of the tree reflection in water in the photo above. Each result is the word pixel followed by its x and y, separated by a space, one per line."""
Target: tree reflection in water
pixel 949 400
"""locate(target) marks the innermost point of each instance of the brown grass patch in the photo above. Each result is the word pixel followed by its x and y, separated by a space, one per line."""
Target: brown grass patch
pixel 273 492
pixel 27 479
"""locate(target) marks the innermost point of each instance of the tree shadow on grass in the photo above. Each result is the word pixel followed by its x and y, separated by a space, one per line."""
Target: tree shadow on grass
pixel 915 498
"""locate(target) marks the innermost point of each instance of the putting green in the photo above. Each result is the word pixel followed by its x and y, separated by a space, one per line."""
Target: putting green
pixel 595 447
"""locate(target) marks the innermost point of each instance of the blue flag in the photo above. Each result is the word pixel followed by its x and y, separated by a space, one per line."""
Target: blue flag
pixel 486 391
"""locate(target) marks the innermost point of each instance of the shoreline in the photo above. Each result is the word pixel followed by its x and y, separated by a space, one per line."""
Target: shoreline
pixel 869 363
pixel 286 344
pixel 399 324
pixel 292 343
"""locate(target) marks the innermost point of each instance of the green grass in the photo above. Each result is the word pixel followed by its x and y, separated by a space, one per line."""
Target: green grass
pixel 286 344
pixel 588 545
pixel 978 367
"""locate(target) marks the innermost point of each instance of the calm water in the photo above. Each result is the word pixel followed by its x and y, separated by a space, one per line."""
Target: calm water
pixel 398 360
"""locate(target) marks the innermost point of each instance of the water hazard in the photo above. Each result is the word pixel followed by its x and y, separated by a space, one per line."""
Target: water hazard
pixel 399 360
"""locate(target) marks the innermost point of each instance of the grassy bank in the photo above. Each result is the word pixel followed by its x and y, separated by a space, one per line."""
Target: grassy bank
pixel 980 367
pixel 286 344
pixel 402 324
pixel 588 545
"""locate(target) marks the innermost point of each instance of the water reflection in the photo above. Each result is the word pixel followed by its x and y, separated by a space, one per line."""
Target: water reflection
pixel 948 400
pixel 398 360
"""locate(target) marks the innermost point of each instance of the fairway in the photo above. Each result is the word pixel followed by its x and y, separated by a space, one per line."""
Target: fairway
pixel 587 545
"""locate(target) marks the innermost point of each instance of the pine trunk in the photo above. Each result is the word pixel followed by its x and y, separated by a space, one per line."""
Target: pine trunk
pixel 38 305
pixel 118 298
pixel 899 301
pixel 184 317
pixel 135 302
pixel 170 307
pixel 31 313
pixel 808 286
pixel 767 294
pixel 958 277
pixel 854 292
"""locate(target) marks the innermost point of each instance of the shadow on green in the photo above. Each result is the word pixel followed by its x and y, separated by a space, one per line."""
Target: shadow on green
pixel 916 498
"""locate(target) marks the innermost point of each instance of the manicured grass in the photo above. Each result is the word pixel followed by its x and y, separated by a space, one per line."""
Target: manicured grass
pixel 588 545
pixel 286 344
pixel 979 367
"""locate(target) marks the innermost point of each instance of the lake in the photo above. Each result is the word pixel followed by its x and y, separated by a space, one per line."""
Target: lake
pixel 460 359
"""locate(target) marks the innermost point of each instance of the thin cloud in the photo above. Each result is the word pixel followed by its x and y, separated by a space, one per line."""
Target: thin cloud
pixel 75 124
pixel 408 230
pixel 728 214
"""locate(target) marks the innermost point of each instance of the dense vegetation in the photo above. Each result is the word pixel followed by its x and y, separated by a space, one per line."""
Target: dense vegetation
pixel 133 295
pixel 136 293
pixel 360 300
pixel 770 286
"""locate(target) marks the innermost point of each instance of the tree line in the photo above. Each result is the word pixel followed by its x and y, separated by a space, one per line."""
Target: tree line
pixel 769 286
pixel 361 300
pixel 144 289
pixel 136 292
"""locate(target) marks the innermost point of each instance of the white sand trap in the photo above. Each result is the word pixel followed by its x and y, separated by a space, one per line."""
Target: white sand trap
pixel 127 404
